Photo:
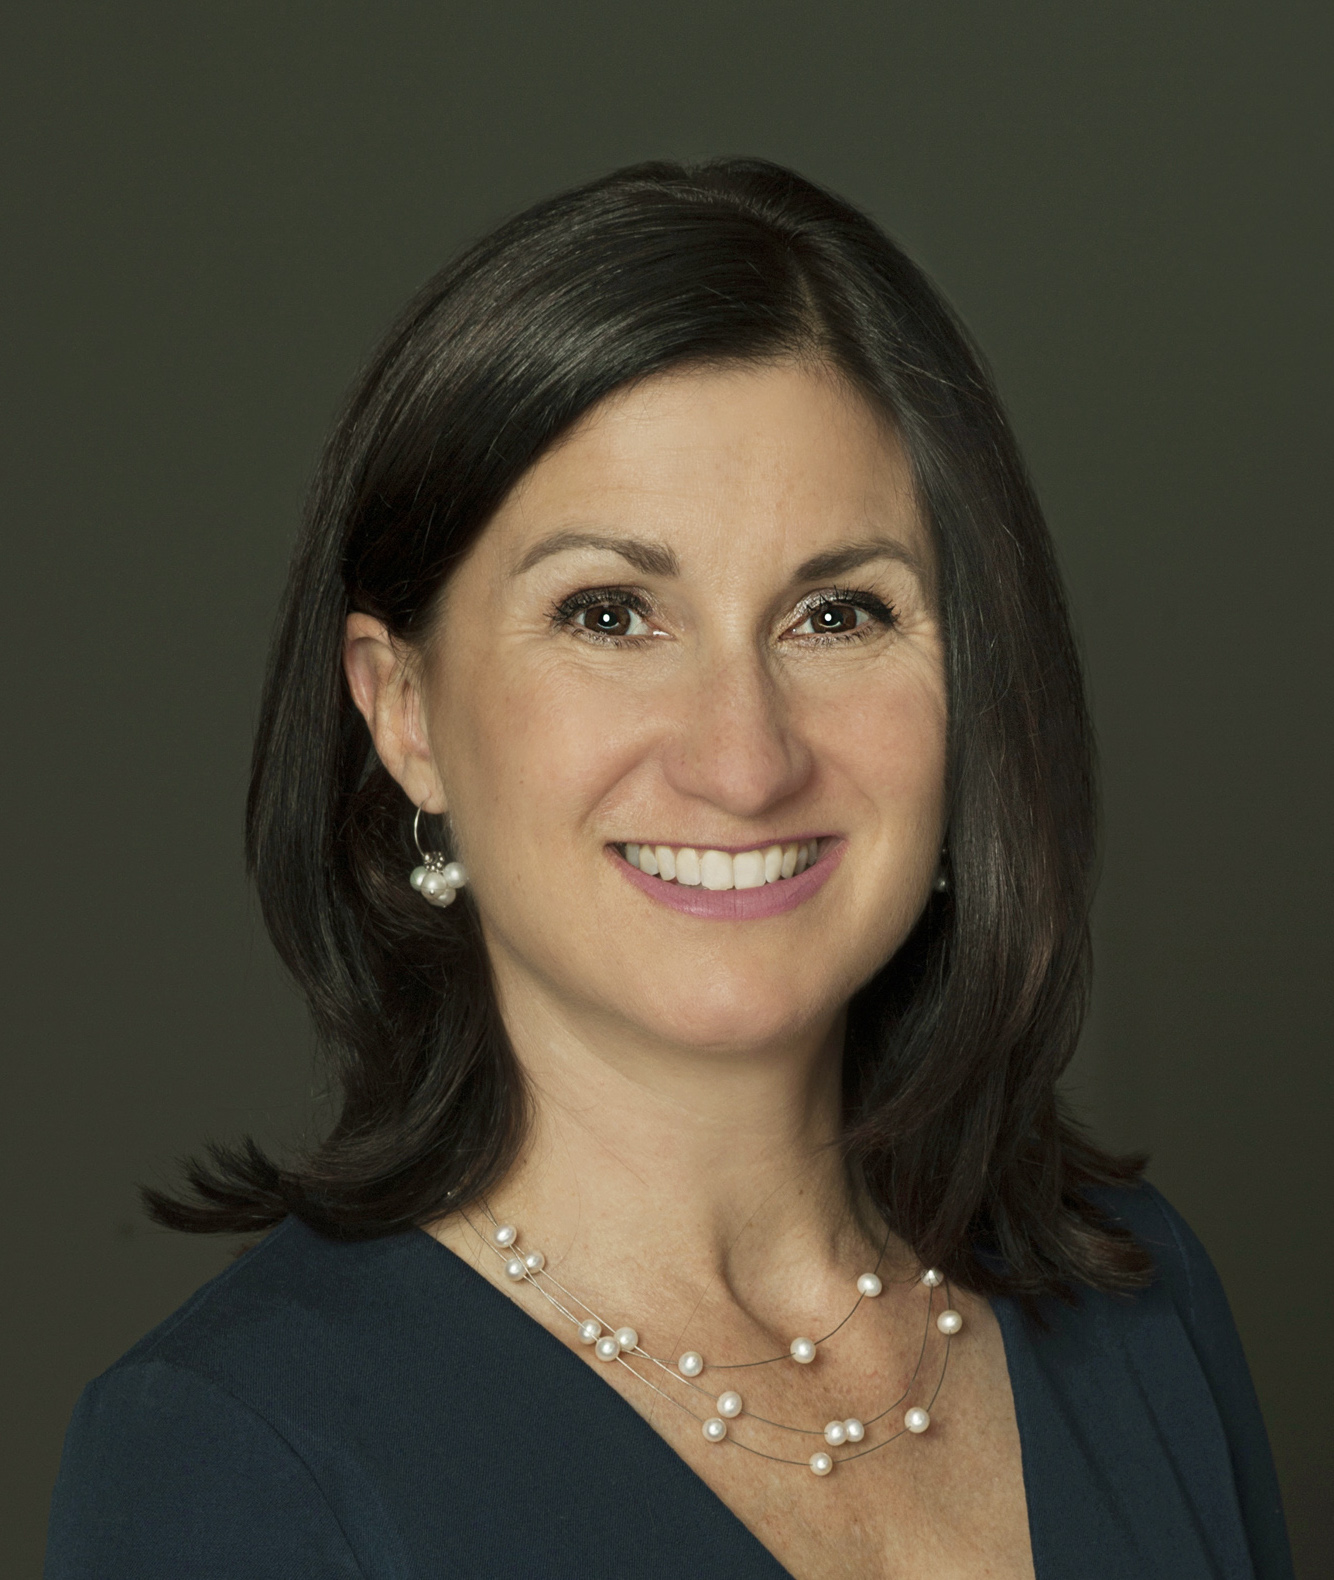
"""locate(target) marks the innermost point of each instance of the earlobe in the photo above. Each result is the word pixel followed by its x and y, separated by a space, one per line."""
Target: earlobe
pixel 386 695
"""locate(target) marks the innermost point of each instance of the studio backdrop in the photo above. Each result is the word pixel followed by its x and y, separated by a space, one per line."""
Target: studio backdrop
pixel 213 211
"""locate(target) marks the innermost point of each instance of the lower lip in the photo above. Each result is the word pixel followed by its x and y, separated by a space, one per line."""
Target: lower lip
pixel 736 905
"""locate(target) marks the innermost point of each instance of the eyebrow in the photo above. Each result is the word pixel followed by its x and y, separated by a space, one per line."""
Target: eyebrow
pixel 653 559
pixel 656 559
pixel 848 556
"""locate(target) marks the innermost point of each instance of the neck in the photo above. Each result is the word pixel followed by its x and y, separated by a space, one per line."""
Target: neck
pixel 716 1168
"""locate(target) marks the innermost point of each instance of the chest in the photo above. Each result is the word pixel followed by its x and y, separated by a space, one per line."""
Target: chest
pixel 946 1502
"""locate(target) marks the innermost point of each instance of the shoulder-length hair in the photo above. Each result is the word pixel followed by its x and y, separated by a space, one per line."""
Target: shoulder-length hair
pixel 954 1049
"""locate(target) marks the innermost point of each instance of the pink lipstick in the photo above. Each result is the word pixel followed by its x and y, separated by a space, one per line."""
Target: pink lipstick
pixel 736 905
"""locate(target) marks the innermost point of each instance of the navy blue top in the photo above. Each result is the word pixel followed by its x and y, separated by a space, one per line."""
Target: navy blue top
pixel 379 1410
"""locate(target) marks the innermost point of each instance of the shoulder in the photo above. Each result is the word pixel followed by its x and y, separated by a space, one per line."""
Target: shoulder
pixel 294 1291
pixel 1142 1400
pixel 1181 1261
pixel 286 1276
pixel 289 1340
pixel 315 1336
pixel 1182 1343
pixel 165 1473
pixel 1184 1271
pixel 1174 1336
pixel 229 1429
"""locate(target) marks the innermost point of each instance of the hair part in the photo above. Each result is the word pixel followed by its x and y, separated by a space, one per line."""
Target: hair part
pixel 954 1050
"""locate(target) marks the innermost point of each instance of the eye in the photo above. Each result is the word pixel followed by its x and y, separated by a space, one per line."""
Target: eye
pixel 833 619
pixel 841 614
pixel 607 614
pixel 611 619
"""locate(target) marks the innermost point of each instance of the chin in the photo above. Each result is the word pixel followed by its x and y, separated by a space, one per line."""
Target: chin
pixel 733 1015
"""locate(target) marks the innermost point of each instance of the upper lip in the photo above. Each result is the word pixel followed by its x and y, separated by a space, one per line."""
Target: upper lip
pixel 731 850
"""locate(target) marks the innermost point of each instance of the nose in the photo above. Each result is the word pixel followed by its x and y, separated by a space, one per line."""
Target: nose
pixel 732 742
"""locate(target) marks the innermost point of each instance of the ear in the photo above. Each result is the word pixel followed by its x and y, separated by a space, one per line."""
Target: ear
pixel 386 692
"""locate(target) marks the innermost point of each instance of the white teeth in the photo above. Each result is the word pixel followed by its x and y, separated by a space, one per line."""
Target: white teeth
pixel 715 869
pixel 748 870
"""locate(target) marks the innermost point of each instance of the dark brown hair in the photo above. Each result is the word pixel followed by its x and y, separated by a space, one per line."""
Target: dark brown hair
pixel 954 1049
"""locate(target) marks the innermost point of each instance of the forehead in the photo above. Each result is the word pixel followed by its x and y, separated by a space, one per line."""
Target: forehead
pixel 769 456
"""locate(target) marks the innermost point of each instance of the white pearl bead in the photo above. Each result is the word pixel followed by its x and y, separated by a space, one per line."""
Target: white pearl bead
pixel 627 1338
pixel 434 884
pixel 607 1349
pixel 444 898
pixel 836 1434
pixel 821 1463
pixel 869 1285
pixel 418 873
pixel 949 1322
pixel 729 1404
pixel 917 1420
pixel 514 1268
pixel 932 1277
pixel 715 1429
pixel 855 1430
pixel 803 1350
pixel 691 1364
pixel 590 1332
pixel 534 1261
pixel 505 1234
pixel 455 874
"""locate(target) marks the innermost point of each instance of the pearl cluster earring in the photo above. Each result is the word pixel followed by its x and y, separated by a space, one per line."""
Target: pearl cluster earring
pixel 437 880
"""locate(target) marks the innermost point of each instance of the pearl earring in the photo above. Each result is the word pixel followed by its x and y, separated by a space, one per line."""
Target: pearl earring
pixel 436 880
pixel 942 880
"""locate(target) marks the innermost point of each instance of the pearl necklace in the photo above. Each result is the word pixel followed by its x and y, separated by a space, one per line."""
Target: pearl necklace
pixel 614 1344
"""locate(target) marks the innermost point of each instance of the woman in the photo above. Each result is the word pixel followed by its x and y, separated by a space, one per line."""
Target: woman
pixel 673 796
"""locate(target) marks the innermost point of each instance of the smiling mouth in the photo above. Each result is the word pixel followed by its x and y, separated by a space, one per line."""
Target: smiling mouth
pixel 720 869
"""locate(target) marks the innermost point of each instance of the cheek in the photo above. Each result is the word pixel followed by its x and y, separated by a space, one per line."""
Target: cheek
pixel 528 756
pixel 886 752
pixel 888 742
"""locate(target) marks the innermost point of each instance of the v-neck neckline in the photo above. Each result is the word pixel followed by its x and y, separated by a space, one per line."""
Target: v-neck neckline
pixel 602 1396
pixel 753 1561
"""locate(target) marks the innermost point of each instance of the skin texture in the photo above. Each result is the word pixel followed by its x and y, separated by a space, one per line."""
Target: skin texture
pixel 684 1071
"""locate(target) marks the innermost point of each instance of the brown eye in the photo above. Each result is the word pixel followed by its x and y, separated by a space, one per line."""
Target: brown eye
pixel 610 619
pixel 837 617
pixel 833 619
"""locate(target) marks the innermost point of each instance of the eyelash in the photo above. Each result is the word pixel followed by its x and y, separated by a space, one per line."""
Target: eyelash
pixel 564 613
pixel 877 608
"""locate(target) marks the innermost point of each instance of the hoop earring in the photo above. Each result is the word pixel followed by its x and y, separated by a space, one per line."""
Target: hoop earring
pixel 436 880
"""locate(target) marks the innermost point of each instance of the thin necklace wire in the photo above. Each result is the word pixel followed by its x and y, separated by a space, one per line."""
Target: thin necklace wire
pixel 935 1392
pixel 737 1366
pixel 810 1431
pixel 531 1277
pixel 716 1366
pixel 781 1459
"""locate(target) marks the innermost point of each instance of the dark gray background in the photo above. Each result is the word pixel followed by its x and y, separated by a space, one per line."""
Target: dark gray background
pixel 213 210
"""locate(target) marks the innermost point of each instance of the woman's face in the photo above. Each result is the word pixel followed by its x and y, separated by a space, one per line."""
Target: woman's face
pixel 703 624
